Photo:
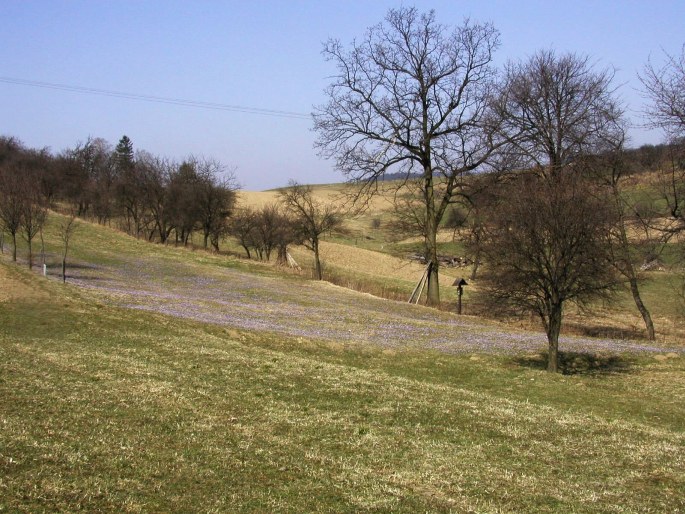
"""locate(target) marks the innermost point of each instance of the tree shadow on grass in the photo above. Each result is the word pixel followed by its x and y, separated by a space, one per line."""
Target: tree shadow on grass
pixel 607 332
pixel 581 363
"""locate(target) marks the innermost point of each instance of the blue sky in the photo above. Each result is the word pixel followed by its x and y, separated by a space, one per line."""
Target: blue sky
pixel 265 55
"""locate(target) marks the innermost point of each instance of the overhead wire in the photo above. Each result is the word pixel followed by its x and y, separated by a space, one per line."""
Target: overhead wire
pixel 157 99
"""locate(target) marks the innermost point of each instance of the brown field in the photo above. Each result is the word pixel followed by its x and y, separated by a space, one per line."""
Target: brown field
pixel 372 264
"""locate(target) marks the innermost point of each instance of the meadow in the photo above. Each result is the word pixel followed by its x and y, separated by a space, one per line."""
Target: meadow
pixel 162 379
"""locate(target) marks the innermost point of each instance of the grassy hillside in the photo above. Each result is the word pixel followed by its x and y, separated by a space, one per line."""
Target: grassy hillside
pixel 104 407
pixel 369 259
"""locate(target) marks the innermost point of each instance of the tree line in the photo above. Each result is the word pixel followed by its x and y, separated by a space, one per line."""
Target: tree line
pixel 153 198
pixel 147 196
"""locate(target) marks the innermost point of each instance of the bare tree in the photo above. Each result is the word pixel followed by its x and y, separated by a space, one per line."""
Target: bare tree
pixel 611 168
pixel 155 175
pixel 215 197
pixel 542 252
pixel 311 218
pixel 11 203
pixel 664 87
pixel 270 224
pixel 670 182
pixel 263 231
pixel 184 209
pixel 66 230
pixel 33 215
pixel 411 97
pixel 243 227
pixel 556 108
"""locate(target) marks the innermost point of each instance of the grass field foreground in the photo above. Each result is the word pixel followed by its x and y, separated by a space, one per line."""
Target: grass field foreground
pixel 104 408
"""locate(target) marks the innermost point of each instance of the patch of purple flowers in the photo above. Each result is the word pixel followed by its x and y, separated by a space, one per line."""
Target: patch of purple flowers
pixel 314 310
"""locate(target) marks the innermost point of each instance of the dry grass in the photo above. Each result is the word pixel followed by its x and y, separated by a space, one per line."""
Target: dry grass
pixel 256 199
pixel 15 287
pixel 105 409
pixel 367 261
pixel 124 411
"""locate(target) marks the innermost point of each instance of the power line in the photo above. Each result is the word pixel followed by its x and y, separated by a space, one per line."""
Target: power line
pixel 157 99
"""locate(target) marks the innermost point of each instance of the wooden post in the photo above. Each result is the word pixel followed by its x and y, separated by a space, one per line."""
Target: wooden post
pixel 460 291
pixel 460 283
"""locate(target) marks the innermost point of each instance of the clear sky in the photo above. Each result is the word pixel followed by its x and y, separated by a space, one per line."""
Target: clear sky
pixel 265 55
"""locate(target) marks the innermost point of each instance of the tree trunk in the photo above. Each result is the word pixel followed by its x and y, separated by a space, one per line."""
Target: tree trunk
pixel 649 324
pixel 553 327
pixel 282 258
pixel 64 270
pixel 14 247
pixel 432 257
pixel 433 285
pixel 42 248
pixel 476 264
pixel 432 223
pixel 30 254
pixel 317 260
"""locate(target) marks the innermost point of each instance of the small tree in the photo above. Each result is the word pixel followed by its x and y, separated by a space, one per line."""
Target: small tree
pixel 11 203
pixel 311 218
pixel 243 227
pixel 270 225
pixel 183 192
pixel 66 230
pixel 155 175
pixel 610 168
pixel 215 197
pixel 34 214
pixel 546 246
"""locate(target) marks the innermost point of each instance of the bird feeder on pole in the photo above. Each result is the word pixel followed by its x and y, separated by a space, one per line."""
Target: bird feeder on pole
pixel 460 283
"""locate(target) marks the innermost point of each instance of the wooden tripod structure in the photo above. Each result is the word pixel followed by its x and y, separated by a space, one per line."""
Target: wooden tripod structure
pixel 418 290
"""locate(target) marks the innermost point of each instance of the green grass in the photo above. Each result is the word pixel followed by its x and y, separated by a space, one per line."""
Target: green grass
pixel 107 409
pixel 104 409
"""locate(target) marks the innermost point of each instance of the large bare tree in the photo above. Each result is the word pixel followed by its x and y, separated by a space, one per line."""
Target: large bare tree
pixel 411 97
pixel 557 108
